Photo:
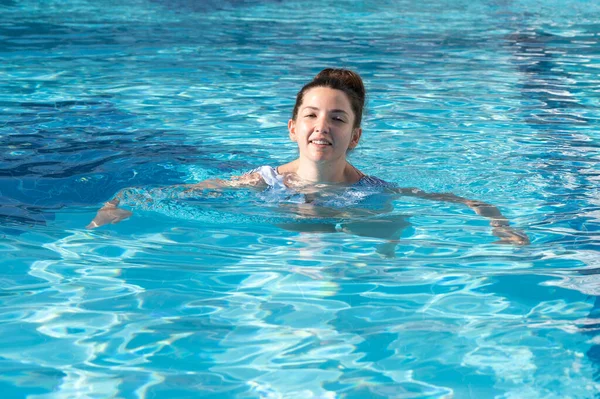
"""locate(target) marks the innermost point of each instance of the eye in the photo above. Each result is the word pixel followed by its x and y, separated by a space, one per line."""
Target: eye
pixel 339 119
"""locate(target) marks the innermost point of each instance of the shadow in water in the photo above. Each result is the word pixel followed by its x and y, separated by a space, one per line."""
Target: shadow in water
pixel 79 153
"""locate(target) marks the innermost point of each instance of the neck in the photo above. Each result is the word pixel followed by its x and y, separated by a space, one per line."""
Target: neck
pixel 339 171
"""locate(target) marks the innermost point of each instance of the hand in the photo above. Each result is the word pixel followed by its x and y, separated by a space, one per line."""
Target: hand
pixel 508 235
pixel 109 213
pixel 487 210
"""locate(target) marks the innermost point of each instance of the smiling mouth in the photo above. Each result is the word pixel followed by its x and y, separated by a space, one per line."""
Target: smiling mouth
pixel 320 142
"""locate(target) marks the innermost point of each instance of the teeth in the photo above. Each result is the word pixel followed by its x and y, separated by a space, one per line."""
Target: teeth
pixel 323 142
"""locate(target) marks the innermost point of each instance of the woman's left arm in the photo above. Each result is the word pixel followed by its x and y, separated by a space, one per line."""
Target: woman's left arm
pixel 500 226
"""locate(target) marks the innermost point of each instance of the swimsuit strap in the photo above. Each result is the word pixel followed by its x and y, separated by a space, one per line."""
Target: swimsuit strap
pixel 372 181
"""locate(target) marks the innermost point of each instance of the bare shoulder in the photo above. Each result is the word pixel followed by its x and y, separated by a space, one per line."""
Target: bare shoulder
pixel 290 167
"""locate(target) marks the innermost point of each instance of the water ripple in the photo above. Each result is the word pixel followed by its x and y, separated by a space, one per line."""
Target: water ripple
pixel 492 101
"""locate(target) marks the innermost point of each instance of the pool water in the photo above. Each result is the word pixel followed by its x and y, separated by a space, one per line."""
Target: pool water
pixel 492 100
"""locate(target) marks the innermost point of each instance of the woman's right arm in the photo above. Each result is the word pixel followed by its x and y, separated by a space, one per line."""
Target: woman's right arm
pixel 110 213
pixel 246 180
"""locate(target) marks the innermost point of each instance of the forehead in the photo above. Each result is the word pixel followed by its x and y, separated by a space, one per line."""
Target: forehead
pixel 325 97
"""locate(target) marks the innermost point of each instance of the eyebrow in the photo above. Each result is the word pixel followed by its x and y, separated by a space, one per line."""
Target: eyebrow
pixel 333 110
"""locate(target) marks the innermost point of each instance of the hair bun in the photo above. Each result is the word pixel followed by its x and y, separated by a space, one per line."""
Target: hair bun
pixel 350 79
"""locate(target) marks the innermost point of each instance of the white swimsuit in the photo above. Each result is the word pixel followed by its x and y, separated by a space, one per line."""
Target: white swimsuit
pixel 275 180
pixel 366 191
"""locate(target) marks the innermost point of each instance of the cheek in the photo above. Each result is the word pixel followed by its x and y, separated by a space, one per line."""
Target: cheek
pixel 302 127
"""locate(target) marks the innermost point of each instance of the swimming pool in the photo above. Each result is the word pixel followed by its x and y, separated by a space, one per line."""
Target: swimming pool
pixel 492 100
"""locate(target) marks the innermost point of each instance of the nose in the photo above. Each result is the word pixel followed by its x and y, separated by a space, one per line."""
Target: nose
pixel 321 125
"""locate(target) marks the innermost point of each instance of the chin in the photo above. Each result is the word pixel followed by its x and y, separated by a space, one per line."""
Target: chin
pixel 321 158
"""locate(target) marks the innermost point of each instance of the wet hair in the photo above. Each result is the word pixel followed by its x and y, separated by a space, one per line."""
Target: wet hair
pixel 339 79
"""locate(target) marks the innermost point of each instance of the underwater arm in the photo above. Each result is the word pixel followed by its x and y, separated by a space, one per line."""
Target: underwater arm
pixel 211 183
pixel 246 180
pixel 110 213
pixel 500 225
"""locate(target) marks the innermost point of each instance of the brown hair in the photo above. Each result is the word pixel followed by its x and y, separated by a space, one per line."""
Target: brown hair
pixel 339 79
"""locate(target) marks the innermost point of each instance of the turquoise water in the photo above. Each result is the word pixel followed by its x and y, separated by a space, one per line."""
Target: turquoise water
pixel 491 100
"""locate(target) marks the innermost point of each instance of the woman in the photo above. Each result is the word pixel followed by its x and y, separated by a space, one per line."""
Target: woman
pixel 326 124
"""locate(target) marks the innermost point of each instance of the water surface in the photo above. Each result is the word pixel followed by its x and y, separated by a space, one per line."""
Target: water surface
pixel 493 100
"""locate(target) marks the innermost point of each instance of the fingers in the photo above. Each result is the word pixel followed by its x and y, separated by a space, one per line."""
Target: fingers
pixel 97 222
pixel 508 235
pixel 92 225
pixel 511 241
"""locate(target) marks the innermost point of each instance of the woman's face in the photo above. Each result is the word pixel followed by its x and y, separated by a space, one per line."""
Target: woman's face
pixel 323 128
